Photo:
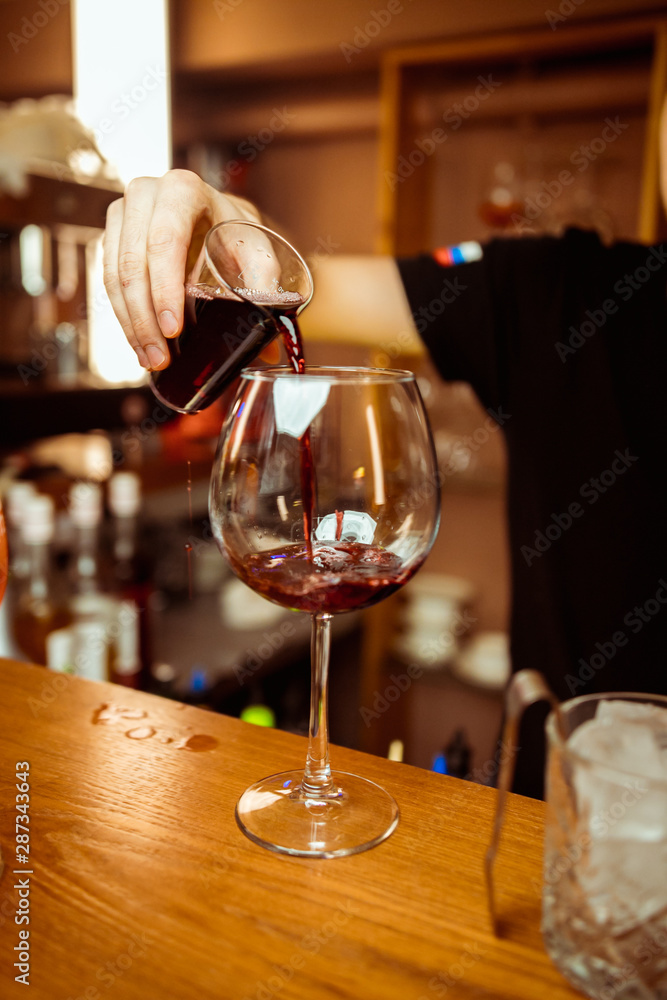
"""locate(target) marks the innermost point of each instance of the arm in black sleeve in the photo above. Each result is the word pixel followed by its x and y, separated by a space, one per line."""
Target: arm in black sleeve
pixel 452 312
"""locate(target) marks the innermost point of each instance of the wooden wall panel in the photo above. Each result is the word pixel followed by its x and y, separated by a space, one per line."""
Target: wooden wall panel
pixel 35 49
pixel 258 36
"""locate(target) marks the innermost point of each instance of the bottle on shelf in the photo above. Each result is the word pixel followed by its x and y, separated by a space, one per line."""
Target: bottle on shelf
pixel 455 758
pixel 14 497
pixel 14 501
pixel 85 511
pixel 38 609
pixel 125 665
pixel 131 582
pixel 95 612
pixel 199 687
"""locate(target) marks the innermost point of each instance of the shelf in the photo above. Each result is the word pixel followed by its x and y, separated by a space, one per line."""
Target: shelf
pixel 56 196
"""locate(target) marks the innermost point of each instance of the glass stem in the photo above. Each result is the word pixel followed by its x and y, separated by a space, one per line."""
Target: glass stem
pixel 317 778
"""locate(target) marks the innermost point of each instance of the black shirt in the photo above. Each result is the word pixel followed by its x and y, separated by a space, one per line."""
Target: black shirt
pixel 565 340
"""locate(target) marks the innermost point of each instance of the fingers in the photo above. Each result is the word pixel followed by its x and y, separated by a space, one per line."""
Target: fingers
pixel 126 273
pixel 112 278
pixel 182 211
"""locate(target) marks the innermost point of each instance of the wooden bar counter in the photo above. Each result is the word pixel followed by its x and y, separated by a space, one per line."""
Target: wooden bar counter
pixel 140 885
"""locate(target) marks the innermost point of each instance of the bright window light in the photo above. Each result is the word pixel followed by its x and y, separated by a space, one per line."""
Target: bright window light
pixel 121 82
pixel 122 94
pixel 109 354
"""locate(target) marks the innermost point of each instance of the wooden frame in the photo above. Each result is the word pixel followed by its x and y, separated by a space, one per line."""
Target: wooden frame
pixel 518 45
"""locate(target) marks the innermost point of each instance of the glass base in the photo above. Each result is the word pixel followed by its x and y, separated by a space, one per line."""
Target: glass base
pixel 355 815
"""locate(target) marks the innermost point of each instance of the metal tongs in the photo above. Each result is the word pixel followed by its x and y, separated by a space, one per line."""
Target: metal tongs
pixel 525 689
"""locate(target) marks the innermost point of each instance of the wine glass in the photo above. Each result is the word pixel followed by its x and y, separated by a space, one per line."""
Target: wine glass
pixel 324 499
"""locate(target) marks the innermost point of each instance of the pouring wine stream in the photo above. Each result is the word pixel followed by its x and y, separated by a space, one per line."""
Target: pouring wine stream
pixel 317 780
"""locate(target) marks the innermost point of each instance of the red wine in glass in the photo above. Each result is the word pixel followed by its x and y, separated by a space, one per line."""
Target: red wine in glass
pixel 325 579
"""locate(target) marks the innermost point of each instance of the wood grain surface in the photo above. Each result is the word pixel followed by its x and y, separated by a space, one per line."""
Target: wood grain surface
pixel 143 887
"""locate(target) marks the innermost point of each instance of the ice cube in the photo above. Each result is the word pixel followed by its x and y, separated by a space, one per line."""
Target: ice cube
pixel 616 796
pixel 624 883
pixel 621 710
pixel 352 526
pixel 331 559
pixel 629 747
pixel 643 713
pixel 621 800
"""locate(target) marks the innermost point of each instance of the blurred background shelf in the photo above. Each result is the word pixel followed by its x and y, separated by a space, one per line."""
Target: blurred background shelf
pixel 54 195
pixel 310 110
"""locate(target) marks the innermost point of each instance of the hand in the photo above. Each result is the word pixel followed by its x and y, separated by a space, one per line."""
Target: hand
pixel 149 236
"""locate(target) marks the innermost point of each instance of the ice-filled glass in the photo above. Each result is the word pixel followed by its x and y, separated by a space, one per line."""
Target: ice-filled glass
pixel 605 854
